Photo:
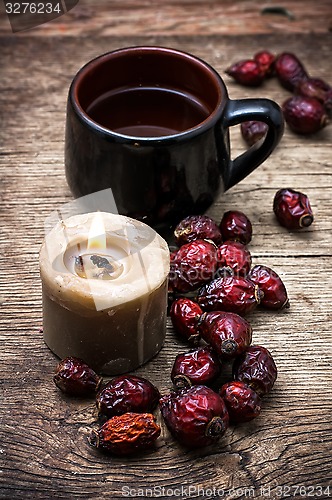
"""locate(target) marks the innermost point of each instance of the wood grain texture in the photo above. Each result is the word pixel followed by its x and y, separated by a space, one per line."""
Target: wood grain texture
pixel 171 17
pixel 44 451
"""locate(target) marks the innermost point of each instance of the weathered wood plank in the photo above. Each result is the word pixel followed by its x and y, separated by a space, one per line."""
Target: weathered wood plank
pixel 188 17
pixel 44 451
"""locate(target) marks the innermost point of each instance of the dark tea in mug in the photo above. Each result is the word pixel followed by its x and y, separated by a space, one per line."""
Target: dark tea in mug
pixel 148 111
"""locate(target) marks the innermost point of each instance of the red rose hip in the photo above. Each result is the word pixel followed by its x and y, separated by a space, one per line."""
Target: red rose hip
pixel 289 70
pixel 253 131
pixel 194 264
pixel 127 393
pixel 232 294
pixel 256 368
pixel 197 227
pixel 292 209
pixel 196 416
pixel 317 88
pixel 235 256
pixel 185 314
pixel 242 402
pixel 235 225
pixel 275 293
pixel 266 61
pixel 75 378
pixel 126 434
pixel 304 115
pixel 248 73
pixel 199 366
pixel 227 333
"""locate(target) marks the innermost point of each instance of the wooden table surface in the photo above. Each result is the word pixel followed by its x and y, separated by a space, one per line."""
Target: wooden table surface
pixel 286 451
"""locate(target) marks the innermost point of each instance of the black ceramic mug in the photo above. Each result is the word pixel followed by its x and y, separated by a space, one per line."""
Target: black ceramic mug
pixel 152 124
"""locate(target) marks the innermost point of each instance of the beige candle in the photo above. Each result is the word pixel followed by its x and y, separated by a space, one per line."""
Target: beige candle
pixel 104 280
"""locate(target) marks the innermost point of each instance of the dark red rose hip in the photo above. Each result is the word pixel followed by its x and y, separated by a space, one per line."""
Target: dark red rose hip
pixel 194 264
pixel 197 227
pixel 74 377
pixel 266 61
pixel 292 209
pixel 185 314
pixel 196 416
pixel 256 368
pixel 235 225
pixel 253 131
pixel 127 393
pixel 248 73
pixel 275 293
pixel 289 70
pixel 304 115
pixel 317 88
pixel 242 402
pixel 235 256
pixel 227 333
pixel 199 366
pixel 126 434
pixel 238 295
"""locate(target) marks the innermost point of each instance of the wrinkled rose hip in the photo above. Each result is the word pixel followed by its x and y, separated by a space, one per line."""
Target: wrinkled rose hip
pixel 196 416
pixel 126 434
pixel 232 294
pixel 235 256
pixel 317 88
pixel 75 378
pixel 266 61
pixel 292 209
pixel 197 227
pixel 243 403
pixel 185 314
pixel 199 366
pixel 253 131
pixel 289 70
pixel 194 264
pixel 275 293
pixel 127 393
pixel 235 225
pixel 248 72
pixel 304 115
pixel 227 333
pixel 256 368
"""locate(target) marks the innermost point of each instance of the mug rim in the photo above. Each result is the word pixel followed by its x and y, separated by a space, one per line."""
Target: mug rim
pixel 192 132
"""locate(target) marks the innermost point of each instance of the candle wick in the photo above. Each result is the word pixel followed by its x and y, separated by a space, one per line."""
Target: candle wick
pixel 102 263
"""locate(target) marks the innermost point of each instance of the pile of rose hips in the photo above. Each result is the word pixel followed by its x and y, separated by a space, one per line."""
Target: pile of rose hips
pixel 214 263
pixel 306 112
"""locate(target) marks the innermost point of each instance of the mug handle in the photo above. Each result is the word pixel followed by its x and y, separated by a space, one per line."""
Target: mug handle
pixel 263 110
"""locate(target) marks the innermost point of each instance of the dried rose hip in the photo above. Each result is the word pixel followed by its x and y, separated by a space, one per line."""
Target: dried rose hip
pixel 195 263
pixel 235 256
pixel 127 393
pixel 197 367
pixel 275 293
pixel 227 333
pixel 256 368
pixel 235 225
pixel 126 434
pixel 317 88
pixel 232 294
pixel 289 70
pixel 242 402
pixel 247 73
pixel 185 314
pixel 253 131
pixel 74 377
pixel 197 227
pixel 304 115
pixel 266 62
pixel 196 416
pixel 292 209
